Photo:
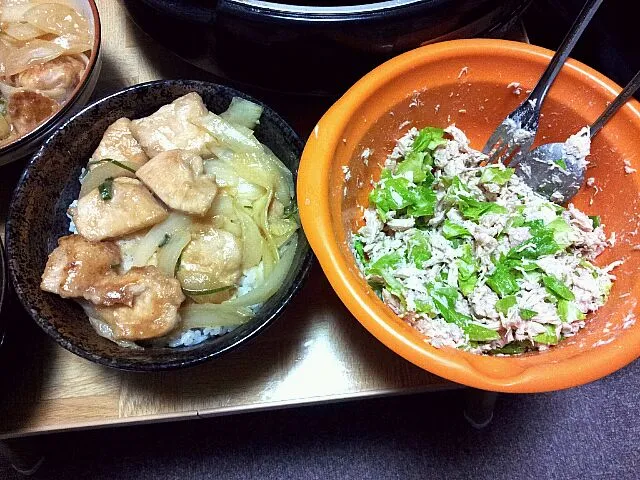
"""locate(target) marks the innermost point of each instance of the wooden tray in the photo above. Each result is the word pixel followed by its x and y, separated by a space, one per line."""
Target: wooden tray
pixel 315 353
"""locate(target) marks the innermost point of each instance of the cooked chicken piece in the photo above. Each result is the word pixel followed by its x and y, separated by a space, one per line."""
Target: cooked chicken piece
pixel 213 258
pixel 173 127
pixel 138 305
pixel 118 143
pixel 27 110
pixel 177 177
pixel 131 208
pixel 63 73
pixel 76 264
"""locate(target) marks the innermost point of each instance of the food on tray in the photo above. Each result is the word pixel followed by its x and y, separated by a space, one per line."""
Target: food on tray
pixel 185 224
pixel 473 258
pixel 44 49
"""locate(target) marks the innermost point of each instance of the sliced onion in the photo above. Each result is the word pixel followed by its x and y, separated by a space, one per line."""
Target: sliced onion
pixel 169 253
pixel 58 19
pixel 227 135
pixel 74 44
pixel 22 31
pixel 211 315
pixel 108 169
pixel 176 222
pixel 243 113
pixel 286 188
pixel 252 241
pixel 31 53
pixel 272 282
pixel 223 170
pixel 14 10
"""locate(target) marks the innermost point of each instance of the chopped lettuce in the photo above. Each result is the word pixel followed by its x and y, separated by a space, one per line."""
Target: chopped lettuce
pixel 478 333
pixel 397 193
pixel 557 288
pixel 359 248
pixel 391 193
pixel 568 311
pixel 561 232
pixel 467 271
pixel 453 230
pixel 428 139
pixel 423 202
pixel 384 263
pixel 504 304
pixel 418 249
pixel 549 337
pixel 502 280
pixel 497 175
pixel 527 314
pixel 418 164
pixel 473 209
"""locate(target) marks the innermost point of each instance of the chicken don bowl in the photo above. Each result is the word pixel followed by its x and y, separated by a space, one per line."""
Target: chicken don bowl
pixel 174 228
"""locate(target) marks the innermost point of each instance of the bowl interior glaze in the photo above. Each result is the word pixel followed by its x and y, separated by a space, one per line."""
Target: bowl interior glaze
pixel 467 82
pixel 37 218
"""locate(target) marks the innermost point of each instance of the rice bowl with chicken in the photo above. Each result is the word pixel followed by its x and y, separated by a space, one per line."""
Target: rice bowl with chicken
pixel 185 224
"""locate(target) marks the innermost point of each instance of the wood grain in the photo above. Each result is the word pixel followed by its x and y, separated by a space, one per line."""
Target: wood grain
pixel 315 353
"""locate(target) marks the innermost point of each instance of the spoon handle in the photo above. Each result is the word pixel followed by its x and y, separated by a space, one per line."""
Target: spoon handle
pixel 549 75
pixel 614 106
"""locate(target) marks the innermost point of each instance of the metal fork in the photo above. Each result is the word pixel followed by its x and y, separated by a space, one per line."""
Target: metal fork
pixel 515 135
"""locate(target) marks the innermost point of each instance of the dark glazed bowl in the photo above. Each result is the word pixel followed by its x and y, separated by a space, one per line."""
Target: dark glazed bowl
pixel 37 218
pixel 3 286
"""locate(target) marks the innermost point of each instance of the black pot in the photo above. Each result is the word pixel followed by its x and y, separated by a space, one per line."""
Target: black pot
pixel 298 46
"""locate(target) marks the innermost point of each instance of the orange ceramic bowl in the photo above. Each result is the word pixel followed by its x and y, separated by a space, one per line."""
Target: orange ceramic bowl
pixel 471 83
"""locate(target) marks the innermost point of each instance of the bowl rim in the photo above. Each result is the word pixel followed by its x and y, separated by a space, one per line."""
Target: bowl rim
pixel 306 261
pixel 316 216
pixel 77 92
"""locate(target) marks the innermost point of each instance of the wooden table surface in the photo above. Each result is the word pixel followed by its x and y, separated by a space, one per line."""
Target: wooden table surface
pixel 316 352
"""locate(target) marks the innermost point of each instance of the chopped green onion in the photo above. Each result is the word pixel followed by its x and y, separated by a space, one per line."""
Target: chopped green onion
pixel 115 162
pixel 165 240
pixel 106 189
pixel 209 291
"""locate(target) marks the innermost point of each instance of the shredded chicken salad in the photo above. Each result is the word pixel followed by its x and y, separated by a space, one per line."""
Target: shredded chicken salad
pixel 471 256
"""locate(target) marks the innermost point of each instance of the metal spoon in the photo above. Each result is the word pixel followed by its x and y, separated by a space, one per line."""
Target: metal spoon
pixel 553 170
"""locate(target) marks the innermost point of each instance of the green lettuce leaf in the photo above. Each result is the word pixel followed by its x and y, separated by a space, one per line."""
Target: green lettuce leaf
pixel 568 311
pixel 418 249
pixel 385 263
pixel 417 164
pixel 359 248
pixel 504 304
pixel 428 139
pixel 497 175
pixel 422 202
pixel 549 337
pixel 453 230
pixel 557 288
pixel 478 333
pixel 502 280
pixel 473 209
pixel 467 271
pixel 391 193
